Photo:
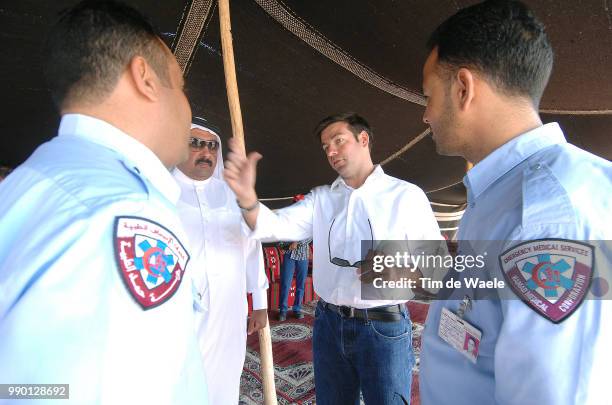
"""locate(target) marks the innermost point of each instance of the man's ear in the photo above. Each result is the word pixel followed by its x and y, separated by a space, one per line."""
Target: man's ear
pixel 364 138
pixel 144 78
pixel 464 88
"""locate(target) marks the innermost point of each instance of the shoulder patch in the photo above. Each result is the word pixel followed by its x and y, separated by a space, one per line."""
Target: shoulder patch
pixel 552 276
pixel 151 260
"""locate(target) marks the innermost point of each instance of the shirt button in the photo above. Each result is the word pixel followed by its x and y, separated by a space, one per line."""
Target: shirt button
pixel 538 166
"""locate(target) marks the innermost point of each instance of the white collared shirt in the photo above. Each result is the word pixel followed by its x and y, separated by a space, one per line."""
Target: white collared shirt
pixel 383 208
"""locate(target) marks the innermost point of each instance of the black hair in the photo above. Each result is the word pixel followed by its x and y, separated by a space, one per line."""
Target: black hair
pixel 90 46
pixel 356 124
pixel 502 40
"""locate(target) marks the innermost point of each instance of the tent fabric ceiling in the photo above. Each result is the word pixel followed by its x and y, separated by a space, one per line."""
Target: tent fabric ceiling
pixel 191 27
pixel 317 41
pixel 287 85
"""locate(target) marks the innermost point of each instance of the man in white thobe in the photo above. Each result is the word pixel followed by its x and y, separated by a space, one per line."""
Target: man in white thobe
pixel 225 265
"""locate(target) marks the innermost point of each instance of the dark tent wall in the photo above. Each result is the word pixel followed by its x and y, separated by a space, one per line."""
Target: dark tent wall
pixel 298 61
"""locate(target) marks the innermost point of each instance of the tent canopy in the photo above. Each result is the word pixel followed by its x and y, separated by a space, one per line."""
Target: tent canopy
pixel 299 61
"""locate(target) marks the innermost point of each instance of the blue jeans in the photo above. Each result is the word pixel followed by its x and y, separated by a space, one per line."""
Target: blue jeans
pixel 353 354
pixel 287 270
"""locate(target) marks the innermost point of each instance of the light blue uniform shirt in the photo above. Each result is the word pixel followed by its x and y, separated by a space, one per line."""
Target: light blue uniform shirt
pixel 535 186
pixel 66 315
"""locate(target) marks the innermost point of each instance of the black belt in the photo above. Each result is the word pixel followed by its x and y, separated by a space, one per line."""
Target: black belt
pixel 392 313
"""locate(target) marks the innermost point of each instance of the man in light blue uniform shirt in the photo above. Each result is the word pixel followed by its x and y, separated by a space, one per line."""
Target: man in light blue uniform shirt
pixel 93 256
pixel 538 206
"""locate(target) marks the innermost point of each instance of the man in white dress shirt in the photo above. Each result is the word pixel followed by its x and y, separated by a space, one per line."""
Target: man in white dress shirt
pixel 358 344
pixel 225 264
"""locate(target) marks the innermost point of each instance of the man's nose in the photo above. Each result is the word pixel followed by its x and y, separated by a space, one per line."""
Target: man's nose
pixel 426 116
pixel 205 152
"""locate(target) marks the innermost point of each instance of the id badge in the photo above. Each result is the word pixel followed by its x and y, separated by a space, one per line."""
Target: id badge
pixel 460 334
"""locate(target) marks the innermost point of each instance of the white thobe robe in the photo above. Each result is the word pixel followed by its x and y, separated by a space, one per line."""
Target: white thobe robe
pixel 225 266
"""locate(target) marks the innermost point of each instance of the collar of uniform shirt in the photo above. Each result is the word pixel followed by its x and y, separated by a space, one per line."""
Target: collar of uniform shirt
pixel 377 172
pixel 132 151
pixel 510 154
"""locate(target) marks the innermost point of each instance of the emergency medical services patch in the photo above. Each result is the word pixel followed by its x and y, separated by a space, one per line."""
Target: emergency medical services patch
pixel 151 260
pixel 552 276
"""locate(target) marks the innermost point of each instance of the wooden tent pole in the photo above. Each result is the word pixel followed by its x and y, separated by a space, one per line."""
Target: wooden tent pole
pixel 230 72
pixel 265 339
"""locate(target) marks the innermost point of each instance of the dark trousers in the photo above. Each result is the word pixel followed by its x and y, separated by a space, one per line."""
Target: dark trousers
pixel 371 356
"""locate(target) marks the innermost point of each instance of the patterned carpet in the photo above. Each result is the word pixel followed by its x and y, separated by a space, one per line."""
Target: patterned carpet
pixel 292 351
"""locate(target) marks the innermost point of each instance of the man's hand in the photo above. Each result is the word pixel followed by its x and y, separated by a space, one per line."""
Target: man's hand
pixel 257 321
pixel 367 274
pixel 240 174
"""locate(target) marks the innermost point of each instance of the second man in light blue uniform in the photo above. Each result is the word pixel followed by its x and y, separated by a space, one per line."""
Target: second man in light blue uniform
pixel 538 206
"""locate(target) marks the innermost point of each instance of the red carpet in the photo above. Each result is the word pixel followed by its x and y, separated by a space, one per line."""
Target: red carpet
pixel 292 348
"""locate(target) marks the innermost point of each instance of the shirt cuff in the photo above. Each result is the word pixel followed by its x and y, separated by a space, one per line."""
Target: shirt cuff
pixel 255 233
pixel 260 299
